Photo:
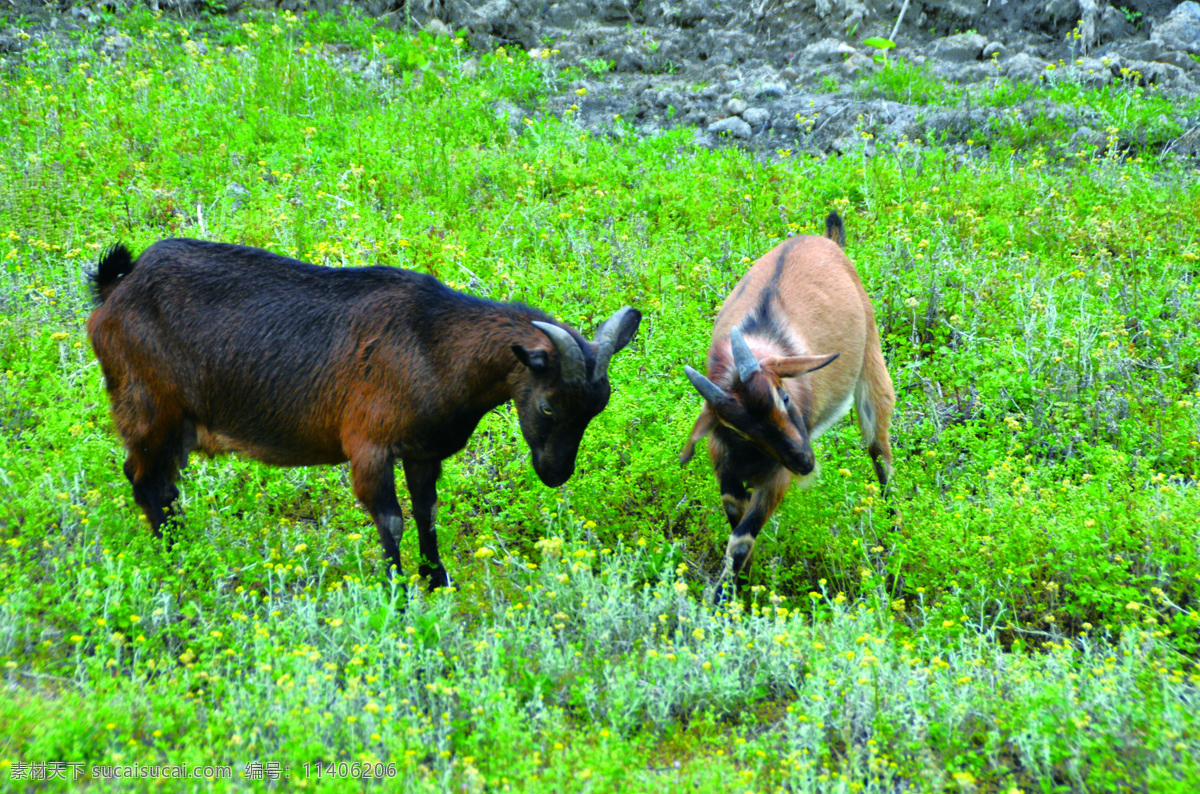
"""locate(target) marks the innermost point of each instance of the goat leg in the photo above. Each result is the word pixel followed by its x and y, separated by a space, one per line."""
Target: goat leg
pixel 151 468
pixel 763 502
pixel 422 477
pixel 733 496
pixel 374 481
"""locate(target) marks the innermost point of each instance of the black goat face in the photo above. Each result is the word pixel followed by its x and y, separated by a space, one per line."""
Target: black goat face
pixel 553 421
pixel 557 399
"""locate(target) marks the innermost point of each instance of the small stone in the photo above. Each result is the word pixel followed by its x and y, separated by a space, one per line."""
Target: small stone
pixel 511 114
pixel 1025 67
pixel 1113 25
pixel 732 125
pixel 1181 29
pixel 771 91
pixel 964 10
pixel 438 28
pixel 1145 50
pixel 669 99
pixel 239 194
pixel 756 117
pixel 961 48
pixel 1093 72
pixel 735 106
pixel 857 62
pixel 1153 73
pixel 1187 145
pixel 567 14
pixel 1179 58
pixel 630 60
pixel 10 43
pixel 993 48
pixel 826 51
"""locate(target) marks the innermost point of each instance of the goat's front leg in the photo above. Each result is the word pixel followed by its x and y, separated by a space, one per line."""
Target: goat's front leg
pixel 422 477
pixel 374 479
pixel 763 502
pixel 733 496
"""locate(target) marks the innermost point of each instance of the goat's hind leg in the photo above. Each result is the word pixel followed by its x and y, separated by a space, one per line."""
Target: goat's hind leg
pixel 874 402
pixel 372 472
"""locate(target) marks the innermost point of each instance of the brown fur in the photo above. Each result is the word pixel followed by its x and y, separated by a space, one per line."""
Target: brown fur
pixel 225 348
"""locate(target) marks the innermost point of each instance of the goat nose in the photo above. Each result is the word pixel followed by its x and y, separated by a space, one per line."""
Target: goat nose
pixel 552 474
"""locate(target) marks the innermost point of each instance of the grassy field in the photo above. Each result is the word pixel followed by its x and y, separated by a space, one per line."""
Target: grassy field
pixel 1030 625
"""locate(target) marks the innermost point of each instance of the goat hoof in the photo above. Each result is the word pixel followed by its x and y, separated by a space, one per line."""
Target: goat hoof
pixel 723 593
pixel 438 577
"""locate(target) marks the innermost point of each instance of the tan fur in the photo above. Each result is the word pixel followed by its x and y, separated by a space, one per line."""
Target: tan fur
pixel 827 311
pixel 818 342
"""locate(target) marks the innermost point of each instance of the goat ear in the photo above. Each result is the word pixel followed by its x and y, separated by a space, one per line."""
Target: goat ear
pixel 704 425
pixel 794 366
pixel 536 360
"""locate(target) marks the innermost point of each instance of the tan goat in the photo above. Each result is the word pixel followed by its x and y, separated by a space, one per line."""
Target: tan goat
pixel 801 310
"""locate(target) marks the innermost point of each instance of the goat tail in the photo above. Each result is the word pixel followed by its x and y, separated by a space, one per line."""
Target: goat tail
pixel 835 230
pixel 115 263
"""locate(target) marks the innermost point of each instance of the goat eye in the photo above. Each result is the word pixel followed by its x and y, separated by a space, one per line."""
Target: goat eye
pixel 547 410
pixel 786 400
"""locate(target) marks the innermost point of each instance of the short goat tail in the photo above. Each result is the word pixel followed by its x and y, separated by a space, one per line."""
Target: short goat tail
pixel 115 263
pixel 835 230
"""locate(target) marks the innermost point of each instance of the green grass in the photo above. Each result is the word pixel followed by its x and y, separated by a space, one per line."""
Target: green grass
pixel 1138 118
pixel 1032 622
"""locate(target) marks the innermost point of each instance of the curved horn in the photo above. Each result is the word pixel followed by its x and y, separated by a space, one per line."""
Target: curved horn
pixel 569 355
pixel 708 390
pixel 607 341
pixel 747 364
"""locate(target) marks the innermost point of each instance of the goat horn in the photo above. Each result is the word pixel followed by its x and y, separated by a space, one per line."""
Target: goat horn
pixel 569 354
pixel 606 342
pixel 747 364
pixel 708 390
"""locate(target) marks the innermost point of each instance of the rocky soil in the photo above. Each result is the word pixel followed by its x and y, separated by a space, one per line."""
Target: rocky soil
pixel 774 74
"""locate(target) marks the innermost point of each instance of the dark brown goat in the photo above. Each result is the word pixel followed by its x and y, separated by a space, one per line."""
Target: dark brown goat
pixel 801 310
pixel 227 348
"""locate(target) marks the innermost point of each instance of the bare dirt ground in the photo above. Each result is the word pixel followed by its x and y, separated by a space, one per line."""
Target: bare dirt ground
pixel 767 74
